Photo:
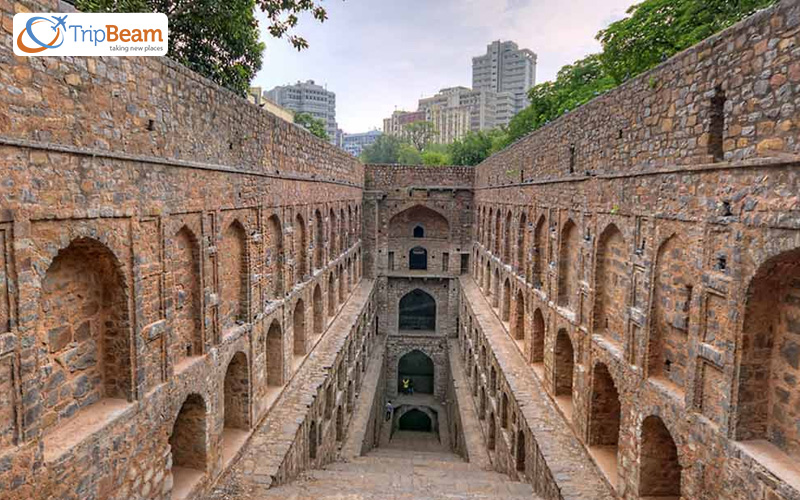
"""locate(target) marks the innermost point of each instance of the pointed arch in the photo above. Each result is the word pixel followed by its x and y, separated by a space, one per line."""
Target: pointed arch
pixel 538 337
pixel 605 410
pixel 234 274
pixel 237 393
pixel 342 282
pixel 521 244
pixel 418 368
pixel 518 325
pixel 507 238
pixel 505 311
pixel 333 231
pixel 312 440
pixel 660 470
pixel 299 328
pixel 434 225
pixel 563 364
pixel 275 256
pixel 319 315
pixel 332 293
pixel 319 240
pixel 767 393
pixel 497 232
pixel 540 263
pixel 84 309
pixel 668 355
pixel 496 294
pixel 611 284
pixel 521 451
pixel 188 439
pixel 568 266
pixel 187 293
pixel 274 349
pixel 300 249
pixel 417 311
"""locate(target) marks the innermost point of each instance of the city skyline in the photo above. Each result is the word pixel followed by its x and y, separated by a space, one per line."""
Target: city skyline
pixel 371 80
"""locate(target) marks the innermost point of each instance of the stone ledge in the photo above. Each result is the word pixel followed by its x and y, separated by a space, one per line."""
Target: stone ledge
pixel 574 473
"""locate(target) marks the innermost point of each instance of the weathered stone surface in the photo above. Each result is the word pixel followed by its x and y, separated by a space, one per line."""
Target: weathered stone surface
pixel 182 303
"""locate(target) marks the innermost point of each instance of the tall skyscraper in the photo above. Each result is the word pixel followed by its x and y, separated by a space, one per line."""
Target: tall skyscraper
pixel 355 143
pixel 509 72
pixel 308 97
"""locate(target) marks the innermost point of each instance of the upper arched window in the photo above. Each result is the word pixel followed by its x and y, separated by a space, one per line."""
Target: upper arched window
pixel 419 232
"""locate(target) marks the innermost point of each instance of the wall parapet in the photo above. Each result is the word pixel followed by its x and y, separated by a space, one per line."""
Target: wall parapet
pixel 731 97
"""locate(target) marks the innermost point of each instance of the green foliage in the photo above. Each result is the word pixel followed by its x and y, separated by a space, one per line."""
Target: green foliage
pixel 574 85
pixel 219 39
pixel 420 134
pixel 654 31
pixel 385 149
pixel 393 150
pixel 409 155
pixel 474 147
pixel 313 125
pixel 658 29
pixel 435 157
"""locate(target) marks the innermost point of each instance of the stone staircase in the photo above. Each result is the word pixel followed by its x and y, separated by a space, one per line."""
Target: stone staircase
pixel 400 472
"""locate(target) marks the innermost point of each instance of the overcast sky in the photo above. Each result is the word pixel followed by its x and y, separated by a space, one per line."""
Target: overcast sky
pixel 381 55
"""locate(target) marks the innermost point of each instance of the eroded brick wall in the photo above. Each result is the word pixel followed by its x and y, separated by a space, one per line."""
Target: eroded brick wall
pixel 655 224
pixel 156 234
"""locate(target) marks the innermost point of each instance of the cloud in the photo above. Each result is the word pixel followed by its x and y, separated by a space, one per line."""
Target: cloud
pixel 381 54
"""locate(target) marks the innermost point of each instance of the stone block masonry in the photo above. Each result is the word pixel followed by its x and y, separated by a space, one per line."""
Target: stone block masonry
pixel 181 293
pixel 631 257
pixel 158 289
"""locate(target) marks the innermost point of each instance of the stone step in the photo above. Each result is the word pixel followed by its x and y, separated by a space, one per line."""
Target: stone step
pixel 409 455
pixel 432 469
pixel 355 485
pixel 392 474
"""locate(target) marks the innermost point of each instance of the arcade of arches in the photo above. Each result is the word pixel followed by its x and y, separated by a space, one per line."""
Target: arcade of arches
pixel 607 309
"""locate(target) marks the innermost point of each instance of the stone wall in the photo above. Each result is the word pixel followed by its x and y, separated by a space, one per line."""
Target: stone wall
pixel 432 346
pixel 436 202
pixel 390 177
pixel 646 262
pixel 732 97
pixel 156 244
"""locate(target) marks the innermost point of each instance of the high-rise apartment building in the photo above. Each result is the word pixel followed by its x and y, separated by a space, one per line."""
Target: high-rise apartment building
pixel 457 110
pixel 509 72
pixel 355 143
pixel 308 97
pixel 501 79
pixel 395 124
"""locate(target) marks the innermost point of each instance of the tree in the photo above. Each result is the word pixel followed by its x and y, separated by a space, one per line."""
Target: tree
pixel 474 147
pixel 435 158
pixel 658 29
pixel 313 125
pixel 408 155
pixel 385 149
pixel 219 39
pixel 574 85
pixel 654 31
pixel 420 134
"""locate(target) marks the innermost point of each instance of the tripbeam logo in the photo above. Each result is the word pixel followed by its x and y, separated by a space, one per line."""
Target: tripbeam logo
pixel 53 34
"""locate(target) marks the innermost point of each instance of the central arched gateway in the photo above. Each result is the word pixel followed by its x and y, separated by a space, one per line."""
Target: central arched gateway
pixel 417 311
pixel 416 367
pixel 415 420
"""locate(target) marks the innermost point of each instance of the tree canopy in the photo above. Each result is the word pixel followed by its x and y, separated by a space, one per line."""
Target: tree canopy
pixel 653 31
pixel 475 147
pixel 313 125
pixel 658 29
pixel 219 39
pixel 420 134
